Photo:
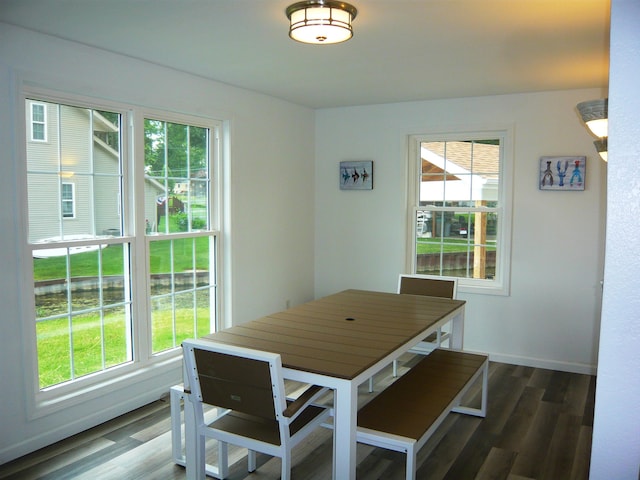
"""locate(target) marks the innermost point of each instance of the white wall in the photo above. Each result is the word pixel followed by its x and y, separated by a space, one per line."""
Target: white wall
pixel 551 318
pixel 271 207
pixel 616 430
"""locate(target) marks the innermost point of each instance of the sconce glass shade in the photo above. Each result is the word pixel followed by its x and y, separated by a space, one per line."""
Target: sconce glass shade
pixel 594 114
pixel 321 21
pixel 602 147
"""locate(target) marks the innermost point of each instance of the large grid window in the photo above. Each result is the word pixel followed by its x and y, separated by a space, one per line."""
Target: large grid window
pixel 87 230
pixel 459 209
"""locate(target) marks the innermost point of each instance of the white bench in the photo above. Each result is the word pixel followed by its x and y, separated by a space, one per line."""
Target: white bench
pixel 404 415
pixel 177 399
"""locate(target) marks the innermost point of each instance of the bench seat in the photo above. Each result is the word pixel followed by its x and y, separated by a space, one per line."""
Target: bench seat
pixel 404 415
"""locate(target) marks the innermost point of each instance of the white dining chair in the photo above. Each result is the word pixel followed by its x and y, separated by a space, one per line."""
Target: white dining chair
pixel 434 286
pixel 248 388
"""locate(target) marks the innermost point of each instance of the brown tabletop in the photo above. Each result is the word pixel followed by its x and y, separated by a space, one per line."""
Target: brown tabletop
pixel 341 335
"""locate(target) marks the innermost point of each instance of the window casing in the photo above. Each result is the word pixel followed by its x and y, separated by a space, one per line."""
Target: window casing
pixel 92 279
pixel 459 208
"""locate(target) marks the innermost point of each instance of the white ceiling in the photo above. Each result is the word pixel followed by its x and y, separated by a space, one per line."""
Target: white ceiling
pixel 402 50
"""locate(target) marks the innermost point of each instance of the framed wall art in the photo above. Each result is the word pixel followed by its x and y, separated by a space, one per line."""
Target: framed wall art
pixel 356 175
pixel 562 173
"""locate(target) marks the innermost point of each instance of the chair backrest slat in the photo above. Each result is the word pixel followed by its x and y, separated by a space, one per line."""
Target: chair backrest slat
pixel 420 285
pixel 237 383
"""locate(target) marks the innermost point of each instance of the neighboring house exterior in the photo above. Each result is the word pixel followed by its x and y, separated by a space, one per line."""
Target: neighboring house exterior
pixel 465 179
pixel 75 178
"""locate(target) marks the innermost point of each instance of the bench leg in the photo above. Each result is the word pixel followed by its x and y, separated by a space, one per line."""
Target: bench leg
pixel 485 389
pixel 176 396
pixel 482 411
pixel 176 399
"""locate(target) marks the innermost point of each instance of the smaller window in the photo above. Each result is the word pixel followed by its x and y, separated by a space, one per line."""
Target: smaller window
pixel 38 122
pixel 68 200
pixel 460 208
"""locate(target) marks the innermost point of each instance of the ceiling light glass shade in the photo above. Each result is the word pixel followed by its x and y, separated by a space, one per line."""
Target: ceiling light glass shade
pixel 321 21
pixel 602 147
pixel 594 114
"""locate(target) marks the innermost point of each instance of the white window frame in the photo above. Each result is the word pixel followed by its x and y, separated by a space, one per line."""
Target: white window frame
pixel 38 122
pixel 72 200
pixel 500 285
pixel 144 365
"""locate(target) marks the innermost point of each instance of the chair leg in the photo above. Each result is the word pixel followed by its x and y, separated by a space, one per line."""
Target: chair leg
pixel 223 459
pixel 251 460
pixel 201 463
pixel 286 465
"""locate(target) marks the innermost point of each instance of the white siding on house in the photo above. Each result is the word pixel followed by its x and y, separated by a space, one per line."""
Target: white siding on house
pixel 75 140
pixel 44 155
pixel 82 224
pixel 107 198
pixel 87 162
pixel 69 153
pixel 45 209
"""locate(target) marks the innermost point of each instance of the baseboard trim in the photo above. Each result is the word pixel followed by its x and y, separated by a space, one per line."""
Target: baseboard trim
pixel 570 367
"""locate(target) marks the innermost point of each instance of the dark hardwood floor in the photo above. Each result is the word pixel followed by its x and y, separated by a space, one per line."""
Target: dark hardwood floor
pixel 538 426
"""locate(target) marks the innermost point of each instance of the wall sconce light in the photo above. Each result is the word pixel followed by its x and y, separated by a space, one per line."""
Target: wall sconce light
pixel 594 114
pixel 601 147
pixel 321 21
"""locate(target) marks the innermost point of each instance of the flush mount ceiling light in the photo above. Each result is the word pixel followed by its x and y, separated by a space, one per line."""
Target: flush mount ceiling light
pixel 321 21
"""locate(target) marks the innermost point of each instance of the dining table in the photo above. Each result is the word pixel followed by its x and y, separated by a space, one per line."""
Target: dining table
pixel 340 341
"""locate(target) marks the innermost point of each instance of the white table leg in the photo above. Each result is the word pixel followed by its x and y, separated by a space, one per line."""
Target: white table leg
pixel 457 330
pixel 345 423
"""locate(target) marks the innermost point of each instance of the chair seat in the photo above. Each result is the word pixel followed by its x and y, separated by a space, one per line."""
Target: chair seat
pixel 262 429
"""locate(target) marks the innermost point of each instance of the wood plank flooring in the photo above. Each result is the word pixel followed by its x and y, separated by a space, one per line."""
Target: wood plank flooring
pixel 538 426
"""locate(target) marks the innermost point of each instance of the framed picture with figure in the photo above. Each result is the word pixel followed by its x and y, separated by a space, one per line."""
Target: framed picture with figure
pixel 357 175
pixel 562 173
